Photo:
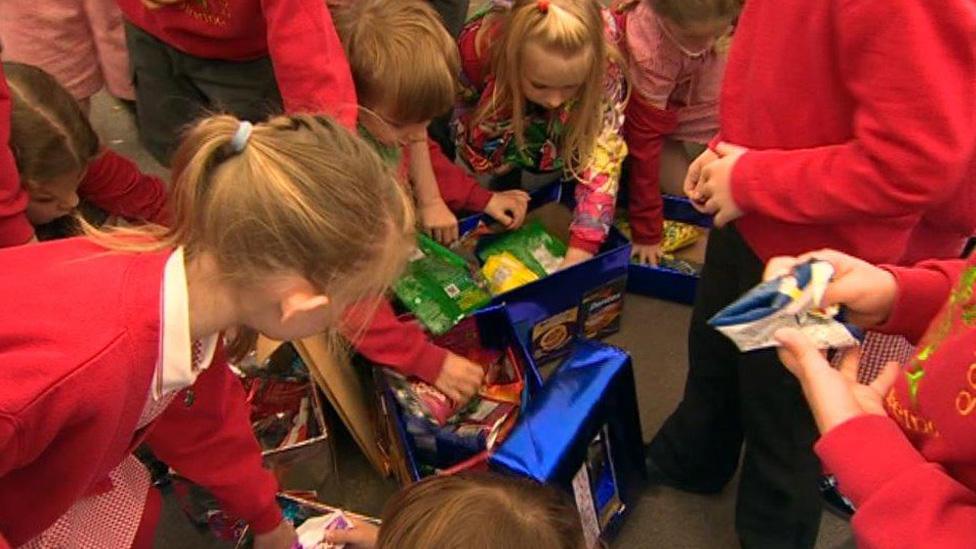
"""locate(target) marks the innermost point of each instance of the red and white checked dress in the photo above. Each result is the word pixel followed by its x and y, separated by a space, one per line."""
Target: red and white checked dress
pixel 877 350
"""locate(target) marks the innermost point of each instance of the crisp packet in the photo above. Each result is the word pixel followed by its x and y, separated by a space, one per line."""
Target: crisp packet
pixel 532 245
pixel 438 288
pixel 311 534
pixel 505 272
pixel 679 235
pixel 789 301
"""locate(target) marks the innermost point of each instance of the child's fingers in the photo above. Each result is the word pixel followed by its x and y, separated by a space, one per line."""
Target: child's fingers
pixel 886 379
pixel 849 364
pixel 780 266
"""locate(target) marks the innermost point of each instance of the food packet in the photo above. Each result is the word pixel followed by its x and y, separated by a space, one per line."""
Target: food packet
pixel 535 248
pixel 281 411
pixel 438 288
pixel 311 534
pixel 788 301
pixel 679 235
pixel 505 272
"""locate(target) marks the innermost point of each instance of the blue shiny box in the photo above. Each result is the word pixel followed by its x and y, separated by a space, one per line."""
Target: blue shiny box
pixel 582 432
pixel 584 301
pixel 663 282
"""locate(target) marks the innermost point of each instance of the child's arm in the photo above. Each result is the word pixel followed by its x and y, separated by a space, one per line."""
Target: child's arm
pixel 115 184
pixel 15 229
pixel 596 188
pixel 211 443
pixel 645 129
pixel 922 291
pixel 913 127
pixel 309 63
pixel 435 216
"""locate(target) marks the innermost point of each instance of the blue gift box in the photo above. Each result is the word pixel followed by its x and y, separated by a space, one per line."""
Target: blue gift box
pixel 584 301
pixel 582 432
pixel 422 447
pixel 662 281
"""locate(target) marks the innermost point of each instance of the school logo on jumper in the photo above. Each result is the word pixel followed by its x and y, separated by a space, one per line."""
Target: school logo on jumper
pixel 212 12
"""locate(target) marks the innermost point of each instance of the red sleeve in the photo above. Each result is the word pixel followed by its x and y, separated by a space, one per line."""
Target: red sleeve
pixel 913 126
pixel 922 292
pixel 211 443
pixel 309 63
pixel 389 341
pixel 15 229
pixel 473 65
pixel 902 500
pixel 115 184
pixel 458 189
pixel 645 128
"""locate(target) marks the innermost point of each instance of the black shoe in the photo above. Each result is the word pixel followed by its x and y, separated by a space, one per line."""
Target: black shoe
pixel 833 500
pixel 657 477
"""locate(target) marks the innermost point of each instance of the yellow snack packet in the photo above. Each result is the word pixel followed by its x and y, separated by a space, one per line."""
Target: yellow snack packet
pixel 679 235
pixel 505 272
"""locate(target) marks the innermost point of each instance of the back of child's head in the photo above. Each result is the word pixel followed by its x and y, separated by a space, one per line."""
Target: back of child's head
pixel 50 136
pixel 402 58
pixel 297 194
pixel 480 510
pixel 569 28
pixel 684 12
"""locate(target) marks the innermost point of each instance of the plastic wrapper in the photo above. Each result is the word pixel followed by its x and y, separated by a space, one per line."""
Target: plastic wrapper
pixel 788 301
pixel 679 235
pixel 438 287
pixel 505 272
pixel 311 533
pixel 535 248
pixel 281 414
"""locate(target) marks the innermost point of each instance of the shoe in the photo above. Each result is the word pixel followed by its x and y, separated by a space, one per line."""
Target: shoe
pixel 657 477
pixel 833 500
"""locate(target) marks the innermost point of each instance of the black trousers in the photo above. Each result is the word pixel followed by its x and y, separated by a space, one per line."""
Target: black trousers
pixel 733 398
pixel 173 89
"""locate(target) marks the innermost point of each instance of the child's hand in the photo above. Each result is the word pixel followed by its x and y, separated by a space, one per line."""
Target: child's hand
pixel 868 292
pixel 715 186
pixel 834 396
pixel 646 254
pixel 438 220
pixel 282 537
pixel 508 208
pixel 361 536
pixel 460 378
pixel 574 256
pixel 693 177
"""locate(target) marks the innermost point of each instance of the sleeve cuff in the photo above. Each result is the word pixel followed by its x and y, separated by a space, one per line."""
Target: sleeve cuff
pixel 921 295
pixel 587 246
pixel 478 199
pixel 865 453
pixel 267 520
pixel 429 363
pixel 744 181
pixel 713 144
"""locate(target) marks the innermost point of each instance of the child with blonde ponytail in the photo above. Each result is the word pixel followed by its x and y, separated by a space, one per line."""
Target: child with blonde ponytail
pixel 546 97
pixel 276 228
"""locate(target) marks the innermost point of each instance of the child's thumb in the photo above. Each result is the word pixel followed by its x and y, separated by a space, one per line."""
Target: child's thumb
pixel 886 379
pixel 797 344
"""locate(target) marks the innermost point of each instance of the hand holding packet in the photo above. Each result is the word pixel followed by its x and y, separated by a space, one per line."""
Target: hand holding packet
pixel 788 301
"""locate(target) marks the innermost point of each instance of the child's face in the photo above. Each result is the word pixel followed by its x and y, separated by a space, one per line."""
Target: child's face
pixel 52 199
pixel 697 37
pixel 385 129
pixel 549 78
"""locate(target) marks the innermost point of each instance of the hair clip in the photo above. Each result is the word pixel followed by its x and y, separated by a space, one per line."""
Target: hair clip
pixel 543 6
pixel 243 133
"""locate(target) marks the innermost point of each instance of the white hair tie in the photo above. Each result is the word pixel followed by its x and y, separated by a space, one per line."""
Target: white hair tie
pixel 243 133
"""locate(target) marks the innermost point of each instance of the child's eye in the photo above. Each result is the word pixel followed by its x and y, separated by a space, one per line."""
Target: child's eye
pixel 44 200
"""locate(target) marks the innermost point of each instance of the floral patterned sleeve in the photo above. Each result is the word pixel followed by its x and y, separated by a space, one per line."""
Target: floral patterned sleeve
pixel 597 183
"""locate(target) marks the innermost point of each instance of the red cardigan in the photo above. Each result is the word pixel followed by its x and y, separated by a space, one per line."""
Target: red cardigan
pixel 115 184
pixel 861 116
pixel 298 35
pixel 79 341
pixel 912 475
pixel 14 227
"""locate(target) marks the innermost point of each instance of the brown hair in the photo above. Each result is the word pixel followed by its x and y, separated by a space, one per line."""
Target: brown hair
pixel 303 195
pixel 401 57
pixel 49 134
pixel 685 11
pixel 475 510
pixel 568 27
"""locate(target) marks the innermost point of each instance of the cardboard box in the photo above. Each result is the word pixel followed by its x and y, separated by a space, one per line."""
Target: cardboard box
pixel 582 433
pixel 551 313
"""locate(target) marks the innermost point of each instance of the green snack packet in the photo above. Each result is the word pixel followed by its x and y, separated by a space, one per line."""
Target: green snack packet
pixel 532 245
pixel 438 288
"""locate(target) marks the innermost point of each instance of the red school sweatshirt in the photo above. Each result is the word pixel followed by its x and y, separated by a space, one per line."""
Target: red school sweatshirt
pixel 912 475
pixel 298 35
pixel 79 341
pixel 115 184
pixel 860 115
pixel 14 227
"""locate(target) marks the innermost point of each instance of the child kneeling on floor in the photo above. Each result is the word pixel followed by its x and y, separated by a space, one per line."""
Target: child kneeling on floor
pixel 276 229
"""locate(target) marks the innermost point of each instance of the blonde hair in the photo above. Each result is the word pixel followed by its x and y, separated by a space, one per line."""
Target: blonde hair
pixel 303 195
pixel 401 57
pixel 569 27
pixel 49 134
pixel 479 510
pixel 686 11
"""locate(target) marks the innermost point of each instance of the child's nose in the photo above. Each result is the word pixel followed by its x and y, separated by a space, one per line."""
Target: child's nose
pixel 72 201
pixel 554 100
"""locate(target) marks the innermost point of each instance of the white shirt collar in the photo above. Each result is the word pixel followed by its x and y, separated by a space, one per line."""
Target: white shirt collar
pixel 176 368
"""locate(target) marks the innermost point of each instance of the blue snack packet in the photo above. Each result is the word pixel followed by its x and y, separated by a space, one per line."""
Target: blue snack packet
pixel 788 301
